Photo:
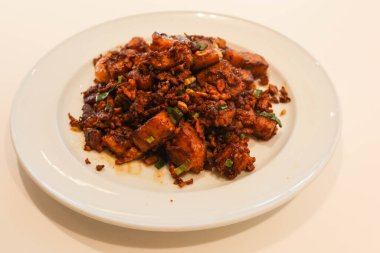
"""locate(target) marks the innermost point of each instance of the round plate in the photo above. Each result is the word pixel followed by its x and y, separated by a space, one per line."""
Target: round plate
pixel 142 197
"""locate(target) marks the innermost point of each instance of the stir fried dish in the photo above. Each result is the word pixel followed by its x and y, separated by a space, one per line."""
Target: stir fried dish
pixel 186 101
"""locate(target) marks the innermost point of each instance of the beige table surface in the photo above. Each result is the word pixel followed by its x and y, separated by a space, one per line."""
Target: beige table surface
pixel 338 212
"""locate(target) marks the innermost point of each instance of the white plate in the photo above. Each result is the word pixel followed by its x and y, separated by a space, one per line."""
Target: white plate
pixel 141 197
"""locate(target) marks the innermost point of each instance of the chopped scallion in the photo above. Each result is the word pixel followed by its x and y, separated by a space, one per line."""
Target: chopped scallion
pixel 101 96
pixel 196 115
pixel 229 163
pixel 107 107
pixel 242 135
pixel 119 79
pixel 223 107
pixel 160 163
pixel 150 139
pixel 201 46
pixel 179 170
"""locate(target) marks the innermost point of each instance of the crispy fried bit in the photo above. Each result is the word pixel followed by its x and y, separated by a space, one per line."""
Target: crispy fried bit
pixel 118 141
pixel 87 161
pixel 264 128
pixel 99 167
pixel 93 138
pixel 274 100
pixel 264 104
pixel 254 62
pixel 150 159
pixel 113 64
pixel 179 181
pixel 273 90
pixel 132 154
pixel 234 159
pixel 138 44
pixel 284 97
pixel 74 122
pixel 222 72
pixel 276 96
pixel 189 101
pixel 187 145
pixel 182 106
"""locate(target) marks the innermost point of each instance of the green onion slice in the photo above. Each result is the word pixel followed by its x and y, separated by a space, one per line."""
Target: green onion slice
pixel 179 170
pixel 160 163
pixel 229 163
pixel 201 46
pixel 119 79
pixel 150 139
pixel 223 107
pixel 107 107
pixel 101 96
pixel 258 93
pixel 104 95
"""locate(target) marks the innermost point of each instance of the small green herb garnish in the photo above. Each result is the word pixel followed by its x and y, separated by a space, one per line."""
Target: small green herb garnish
pixel 101 96
pixel 223 107
pixel 229 163
pixel 242 135
pixel 107 107
pixel 150 139
pixel 196 115
pixel 201 46
pixel 271 116
pixel 258 93
pixel 160 163
pixel 179 170
pixel 119 79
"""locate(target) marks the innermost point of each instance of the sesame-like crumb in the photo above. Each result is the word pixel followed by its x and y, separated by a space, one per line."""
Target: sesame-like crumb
pixel 87 161
pixel 283 112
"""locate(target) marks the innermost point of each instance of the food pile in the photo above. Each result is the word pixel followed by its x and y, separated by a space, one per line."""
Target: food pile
pixel 188 101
